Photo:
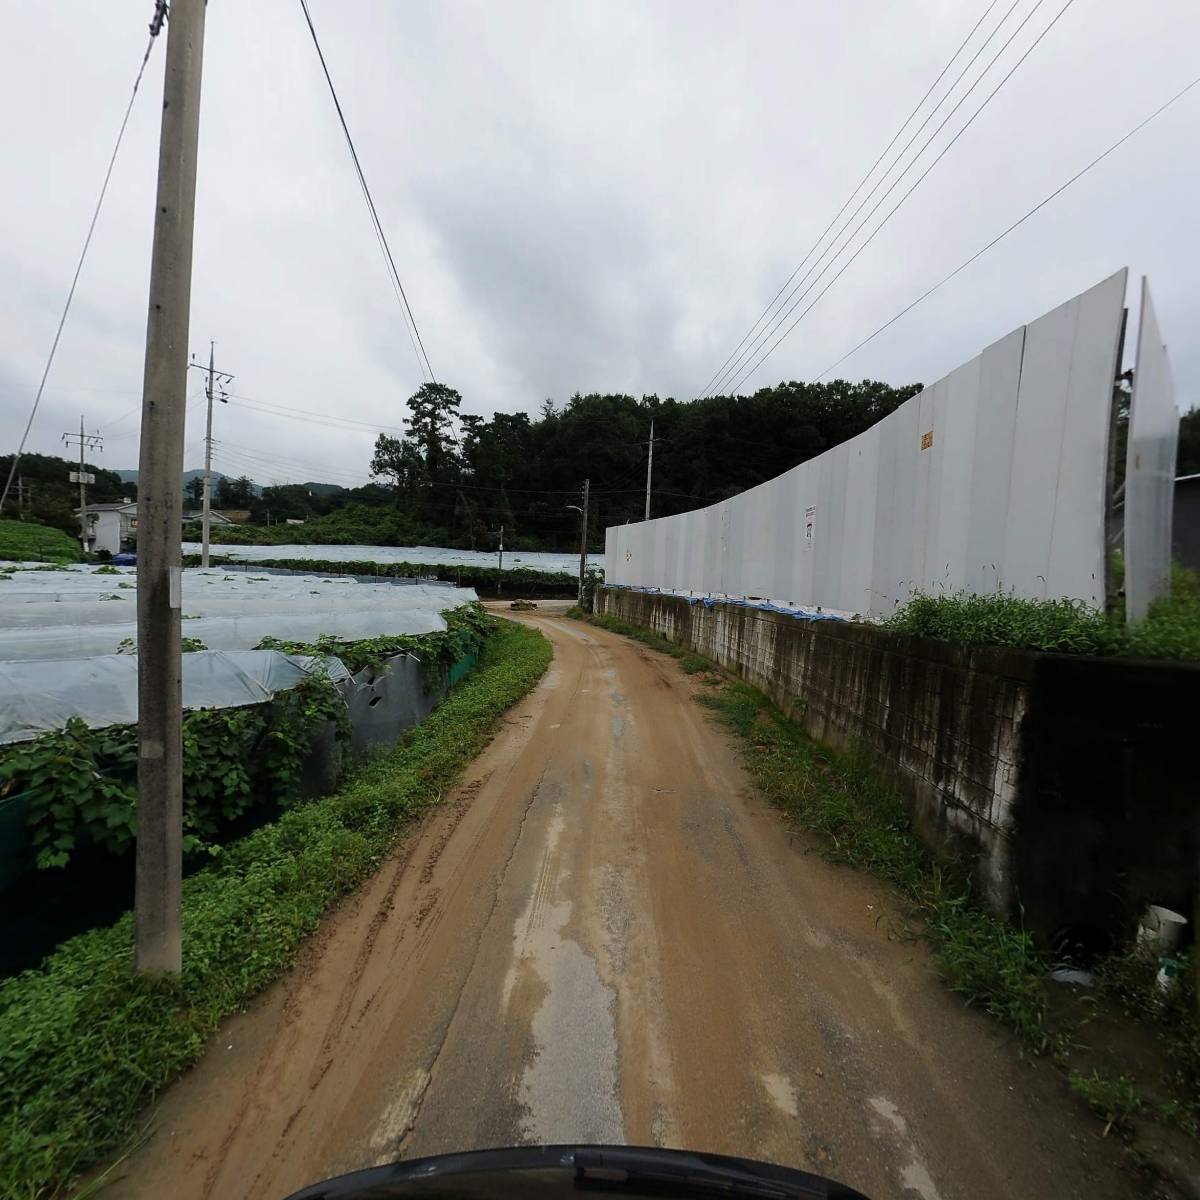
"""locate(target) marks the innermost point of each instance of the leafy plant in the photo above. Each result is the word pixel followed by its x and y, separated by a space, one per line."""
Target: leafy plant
pixel 85 1043
pixel 77 782
pixel 1171 631
pixel 1113 1100
pixel 186 645
pixel 487 580
pixel 466 629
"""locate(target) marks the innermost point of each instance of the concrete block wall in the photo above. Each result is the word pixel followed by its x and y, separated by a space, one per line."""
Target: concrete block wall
pixel 943 726
pixel 1073 810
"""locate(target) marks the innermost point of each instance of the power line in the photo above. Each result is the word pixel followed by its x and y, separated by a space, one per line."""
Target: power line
pixel 307 415
pixel 916 183
pixel 413 332
pixel 160 8
pixel 1016 224
pixel 834 250
pixel 720 373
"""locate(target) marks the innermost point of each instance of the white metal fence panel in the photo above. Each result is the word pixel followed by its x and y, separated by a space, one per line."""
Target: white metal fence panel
pixel 991 478
pixel 1149 469
pixel 992 460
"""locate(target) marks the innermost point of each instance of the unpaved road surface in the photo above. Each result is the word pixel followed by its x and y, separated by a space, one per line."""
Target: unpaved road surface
pixel 605 935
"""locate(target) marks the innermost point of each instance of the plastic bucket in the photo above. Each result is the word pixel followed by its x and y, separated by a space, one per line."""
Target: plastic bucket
pixel 1161 929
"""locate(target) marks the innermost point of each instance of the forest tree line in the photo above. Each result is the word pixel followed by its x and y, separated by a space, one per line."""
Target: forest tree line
pixel 455 479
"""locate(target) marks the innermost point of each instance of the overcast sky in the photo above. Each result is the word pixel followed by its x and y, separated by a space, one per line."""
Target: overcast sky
pixel 579 197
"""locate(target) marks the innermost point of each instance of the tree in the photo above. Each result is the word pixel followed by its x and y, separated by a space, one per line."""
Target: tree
pixel 399 460
pixel 193 491
pixel 283 501
pixel 433 409
pixel 1187 461
pixel 235 493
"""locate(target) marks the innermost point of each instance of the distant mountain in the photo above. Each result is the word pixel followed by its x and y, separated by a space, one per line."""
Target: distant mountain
pixel 131 477
pixel 319 489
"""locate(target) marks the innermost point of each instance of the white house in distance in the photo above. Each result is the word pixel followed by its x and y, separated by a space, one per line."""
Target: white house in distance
pixel 113 527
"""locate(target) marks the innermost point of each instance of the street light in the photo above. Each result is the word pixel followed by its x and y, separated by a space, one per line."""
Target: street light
pixel 582 511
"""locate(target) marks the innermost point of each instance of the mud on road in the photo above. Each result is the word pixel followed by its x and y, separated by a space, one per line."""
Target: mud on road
pixel 605 934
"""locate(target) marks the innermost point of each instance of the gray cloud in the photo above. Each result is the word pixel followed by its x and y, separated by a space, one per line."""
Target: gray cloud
pixel 586 196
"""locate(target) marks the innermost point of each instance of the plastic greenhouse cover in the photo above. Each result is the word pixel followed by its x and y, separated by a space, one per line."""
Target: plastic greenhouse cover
pixel 433 556
pixel 103 691
pixel 81 613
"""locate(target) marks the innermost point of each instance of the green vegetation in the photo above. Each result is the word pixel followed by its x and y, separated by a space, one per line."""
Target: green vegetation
pixel 29 541
pixel 1126 979
pixel 440 487
pixel 85 1044
pixel 1171 631
pixel 51 497
pixel 1113 1100
pixel 81 783
pixel 992 964
pixel 466 629
pixel 512 581
pixel 839 796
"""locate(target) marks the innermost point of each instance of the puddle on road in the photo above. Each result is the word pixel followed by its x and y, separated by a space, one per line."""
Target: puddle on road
pixel 569 1088
pixel 782 1094
pixel 915 1176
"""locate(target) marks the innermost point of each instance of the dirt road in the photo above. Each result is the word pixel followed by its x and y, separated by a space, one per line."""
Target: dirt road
pixel 606 935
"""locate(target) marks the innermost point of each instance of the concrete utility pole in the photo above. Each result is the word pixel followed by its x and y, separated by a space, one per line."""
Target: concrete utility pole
pixel 215 377
pixel 649 468
pixel 583 539
pixel 158 945
pixel 87 441
pixel 583 532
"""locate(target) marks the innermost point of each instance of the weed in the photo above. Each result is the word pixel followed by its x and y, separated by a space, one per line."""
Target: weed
pixel 85 1043
pixel 1113 1100
pixel 842 797
pixel 1170 631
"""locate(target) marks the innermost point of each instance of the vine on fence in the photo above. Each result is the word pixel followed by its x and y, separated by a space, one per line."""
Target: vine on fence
pixel 82 783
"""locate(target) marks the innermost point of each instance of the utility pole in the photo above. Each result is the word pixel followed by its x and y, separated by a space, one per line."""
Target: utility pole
pixel 649 468
pixel 87 441
pixel 213 387
pixel 583 532
pixel 157 939
pixel 500 566
pixel 24 496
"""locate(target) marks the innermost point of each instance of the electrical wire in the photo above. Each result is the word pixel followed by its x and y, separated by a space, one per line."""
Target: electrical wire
pixel 1058 191
pixel 413 332
pixel 834 251
pixel 895 208
pixel 720 373
pixel 156 24
pixel 269 408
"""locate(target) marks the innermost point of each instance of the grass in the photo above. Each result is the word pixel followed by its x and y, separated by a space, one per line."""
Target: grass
pixel 866 825
pixel 1170 631
pixel 27 541
pixel 987 961
pixel 85 1043
pixel 991 963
